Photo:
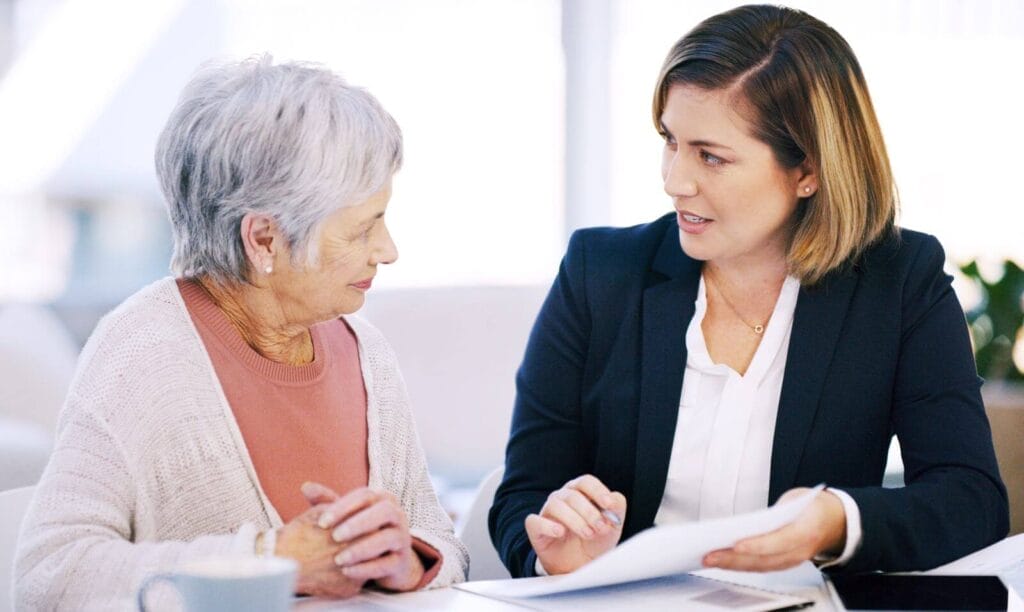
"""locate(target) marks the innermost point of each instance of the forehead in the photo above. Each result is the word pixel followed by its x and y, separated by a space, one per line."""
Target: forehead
pixel 694 111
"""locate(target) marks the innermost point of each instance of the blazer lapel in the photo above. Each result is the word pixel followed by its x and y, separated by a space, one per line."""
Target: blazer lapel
pixel 668 306
pixel 817 323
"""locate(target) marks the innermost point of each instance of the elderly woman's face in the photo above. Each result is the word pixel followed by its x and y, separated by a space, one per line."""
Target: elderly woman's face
pixel 353 241
pixel 732 198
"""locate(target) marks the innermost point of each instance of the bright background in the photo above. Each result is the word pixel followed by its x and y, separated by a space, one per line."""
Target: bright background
pixel 523 120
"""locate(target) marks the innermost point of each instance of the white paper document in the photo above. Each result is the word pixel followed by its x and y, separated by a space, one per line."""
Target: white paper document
pixel 1004 557
pixel 656 552
pixel 679 592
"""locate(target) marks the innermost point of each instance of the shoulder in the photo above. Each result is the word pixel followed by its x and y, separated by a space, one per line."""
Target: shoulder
pixel 905 258
pixel 367 335
pixel 379 362
pixel 610 252
pixel 902 248
pixel 150 316
pixel 618 242
pixel 905 274
pixel 146 339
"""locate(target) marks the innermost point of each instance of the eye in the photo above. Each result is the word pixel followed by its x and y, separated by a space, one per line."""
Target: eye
pixel 711 160
pixel 363 232
pixel 669 140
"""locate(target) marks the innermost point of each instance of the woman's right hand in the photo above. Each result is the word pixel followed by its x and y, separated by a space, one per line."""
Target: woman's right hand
pixel 311 546
pixel 570 530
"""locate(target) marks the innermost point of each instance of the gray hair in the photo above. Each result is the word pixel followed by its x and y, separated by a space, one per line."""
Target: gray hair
pixel 292 141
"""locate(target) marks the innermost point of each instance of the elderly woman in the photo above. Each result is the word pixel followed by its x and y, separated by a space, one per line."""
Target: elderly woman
pixel 236 408
pixel 773 332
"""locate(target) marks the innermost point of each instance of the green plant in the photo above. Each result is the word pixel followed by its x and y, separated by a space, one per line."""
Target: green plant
pixel 997 320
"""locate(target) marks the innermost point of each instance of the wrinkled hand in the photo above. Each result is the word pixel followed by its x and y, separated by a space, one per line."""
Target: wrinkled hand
pixel 373 532
pixel 570 530
pixel 820 528
pixel 302 539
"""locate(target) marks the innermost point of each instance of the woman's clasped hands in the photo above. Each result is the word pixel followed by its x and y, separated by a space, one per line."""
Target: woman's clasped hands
pixel 571 529
pixel 342 542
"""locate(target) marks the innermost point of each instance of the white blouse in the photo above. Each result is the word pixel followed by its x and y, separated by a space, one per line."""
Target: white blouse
pixel 721 453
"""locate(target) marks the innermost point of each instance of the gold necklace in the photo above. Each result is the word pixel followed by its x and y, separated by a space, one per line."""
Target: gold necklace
pixel 758 329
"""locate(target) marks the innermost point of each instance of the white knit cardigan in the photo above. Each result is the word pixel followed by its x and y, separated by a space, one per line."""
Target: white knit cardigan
pixel 150 469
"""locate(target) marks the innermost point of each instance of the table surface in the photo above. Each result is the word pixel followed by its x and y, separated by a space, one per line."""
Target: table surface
pixel 804 580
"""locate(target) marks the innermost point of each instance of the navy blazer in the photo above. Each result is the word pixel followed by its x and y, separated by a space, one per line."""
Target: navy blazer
pixel 877 349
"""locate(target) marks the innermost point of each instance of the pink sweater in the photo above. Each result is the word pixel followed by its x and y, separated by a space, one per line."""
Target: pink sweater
pixel 300 423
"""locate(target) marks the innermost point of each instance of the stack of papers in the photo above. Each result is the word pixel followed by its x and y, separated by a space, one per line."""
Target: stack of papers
pixel 680 592
pixel 658 552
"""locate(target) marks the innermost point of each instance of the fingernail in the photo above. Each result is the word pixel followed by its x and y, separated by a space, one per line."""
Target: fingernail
pixel 340 534
pixel 711 560
pixel 611 518
pixel 326 520
pixel 341 558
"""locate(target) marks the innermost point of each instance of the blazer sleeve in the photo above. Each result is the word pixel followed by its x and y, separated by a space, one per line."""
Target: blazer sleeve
pixel 546 445
pixel 954 501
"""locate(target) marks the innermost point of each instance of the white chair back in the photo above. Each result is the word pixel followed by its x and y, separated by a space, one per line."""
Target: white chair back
pixel 458 348
pixel 13 504
pixel 484 563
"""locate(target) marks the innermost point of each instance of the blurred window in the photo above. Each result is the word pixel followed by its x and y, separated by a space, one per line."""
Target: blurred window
pixel 946 83
pixel 477 89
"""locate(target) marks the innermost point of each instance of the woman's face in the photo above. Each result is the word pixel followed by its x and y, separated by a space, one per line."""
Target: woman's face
pixel 733 200
pixel 353 241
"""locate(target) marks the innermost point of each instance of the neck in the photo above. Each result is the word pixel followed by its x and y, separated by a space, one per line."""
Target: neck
pixel 260 320
pixel 750 277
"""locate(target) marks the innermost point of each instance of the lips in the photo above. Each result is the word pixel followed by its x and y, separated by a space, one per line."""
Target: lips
pixel 692 217
pixel 692 223
pixel 363 284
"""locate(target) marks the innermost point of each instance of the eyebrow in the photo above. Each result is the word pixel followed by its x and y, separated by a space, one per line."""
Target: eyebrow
pixel 696 143
pixel 708 143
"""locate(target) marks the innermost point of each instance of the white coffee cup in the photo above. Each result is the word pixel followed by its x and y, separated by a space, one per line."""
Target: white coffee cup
pixel 263 584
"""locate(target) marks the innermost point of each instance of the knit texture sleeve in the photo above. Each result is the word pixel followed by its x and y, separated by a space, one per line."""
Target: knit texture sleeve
pixel 397 461
pixel 76 549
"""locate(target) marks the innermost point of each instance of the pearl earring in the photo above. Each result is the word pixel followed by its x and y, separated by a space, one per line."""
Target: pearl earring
pixel 268 269
pixel 807 189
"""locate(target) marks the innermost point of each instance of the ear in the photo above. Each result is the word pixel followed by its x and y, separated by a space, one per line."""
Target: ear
pixel 806 180
pixel 262 242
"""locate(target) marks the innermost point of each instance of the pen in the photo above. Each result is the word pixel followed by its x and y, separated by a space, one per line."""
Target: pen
pixel 611 517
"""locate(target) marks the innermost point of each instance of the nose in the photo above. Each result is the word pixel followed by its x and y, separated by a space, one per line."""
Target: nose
pixel 680 180
pixel 385 251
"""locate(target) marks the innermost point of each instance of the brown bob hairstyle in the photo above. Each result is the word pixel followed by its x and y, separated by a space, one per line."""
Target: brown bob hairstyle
pixel 803 92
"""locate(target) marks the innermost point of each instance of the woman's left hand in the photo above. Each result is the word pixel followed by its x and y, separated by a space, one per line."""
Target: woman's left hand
pixel 375 530
pixel 820 528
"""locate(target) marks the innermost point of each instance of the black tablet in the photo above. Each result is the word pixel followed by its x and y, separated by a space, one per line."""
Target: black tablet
pixel 920 592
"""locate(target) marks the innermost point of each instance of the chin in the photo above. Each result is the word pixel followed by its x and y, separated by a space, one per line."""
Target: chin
pixel 352 305
pixel 693 248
